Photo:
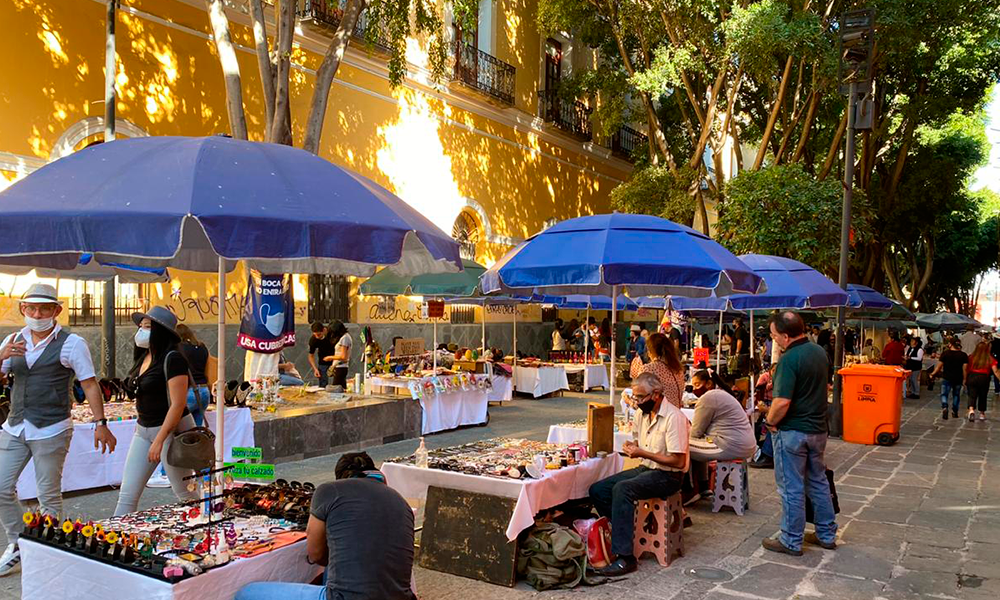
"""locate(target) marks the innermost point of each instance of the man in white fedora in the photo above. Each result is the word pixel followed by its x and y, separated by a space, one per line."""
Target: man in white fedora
pixel 43 359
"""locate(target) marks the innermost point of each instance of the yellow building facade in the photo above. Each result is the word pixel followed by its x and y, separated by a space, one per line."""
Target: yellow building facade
pixel 483 165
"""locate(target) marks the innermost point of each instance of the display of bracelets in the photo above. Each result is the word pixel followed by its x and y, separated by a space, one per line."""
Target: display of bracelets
pixel 446 384
pixel 115 411
pixel 162 540
pixel 501 458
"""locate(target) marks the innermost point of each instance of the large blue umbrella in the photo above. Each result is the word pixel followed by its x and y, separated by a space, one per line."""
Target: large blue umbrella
pixel 187 202
pixel 790 284
pixel 864 297
pixel 203 203
pixel 637 255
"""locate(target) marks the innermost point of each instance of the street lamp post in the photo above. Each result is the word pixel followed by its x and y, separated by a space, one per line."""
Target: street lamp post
pixel 857 35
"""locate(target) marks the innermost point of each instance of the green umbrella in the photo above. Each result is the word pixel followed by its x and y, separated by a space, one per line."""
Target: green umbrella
pixel 463 283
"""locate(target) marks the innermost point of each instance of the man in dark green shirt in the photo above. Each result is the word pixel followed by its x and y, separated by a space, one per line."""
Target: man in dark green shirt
pixel 798 423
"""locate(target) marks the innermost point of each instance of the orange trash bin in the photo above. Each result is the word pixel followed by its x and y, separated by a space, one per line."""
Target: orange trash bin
pixel 872 403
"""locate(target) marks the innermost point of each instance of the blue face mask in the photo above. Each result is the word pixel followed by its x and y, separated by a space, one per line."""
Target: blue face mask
pixel 142 338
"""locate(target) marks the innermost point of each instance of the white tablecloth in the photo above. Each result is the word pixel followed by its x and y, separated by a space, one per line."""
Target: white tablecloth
pixel 51 574
pixel 532 495
pixel 87 468
pixel 503 389
pixel 442 412
pixel 539 381
pixel 593 375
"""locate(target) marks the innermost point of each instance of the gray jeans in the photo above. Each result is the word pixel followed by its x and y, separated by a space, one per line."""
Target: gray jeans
pixel 49 455
pixel 138 468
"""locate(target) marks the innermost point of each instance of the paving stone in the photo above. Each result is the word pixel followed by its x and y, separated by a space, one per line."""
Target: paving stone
pixel 924 584
pixel 985 569
pixel 901 503
pixel 852 490
pixel 944 538
pixel 884 515
pixel 940 519
pixel 868 483
pixel 768 580
pixel 843 588
pixel 881 535
pixel 905 491
pixel 874 563
pixel 912 479
pixel 870 473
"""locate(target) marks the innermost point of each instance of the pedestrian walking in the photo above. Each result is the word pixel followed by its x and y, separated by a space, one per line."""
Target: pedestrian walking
pixel 797 421
pixel 44 359
pixel 914 364
pixel 981 367
pixel 953 364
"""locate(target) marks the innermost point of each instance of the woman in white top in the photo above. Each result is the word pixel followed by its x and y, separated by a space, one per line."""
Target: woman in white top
pixel 558 341
pixel 341 355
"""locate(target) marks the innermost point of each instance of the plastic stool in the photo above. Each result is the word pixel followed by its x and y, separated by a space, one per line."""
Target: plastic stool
pixel 659 525
pixel 731 486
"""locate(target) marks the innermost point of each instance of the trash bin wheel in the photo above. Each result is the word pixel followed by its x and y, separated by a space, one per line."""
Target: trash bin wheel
pixel 886 439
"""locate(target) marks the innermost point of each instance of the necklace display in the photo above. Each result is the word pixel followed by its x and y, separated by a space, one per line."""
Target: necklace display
pixel 181 540
pixel 502 458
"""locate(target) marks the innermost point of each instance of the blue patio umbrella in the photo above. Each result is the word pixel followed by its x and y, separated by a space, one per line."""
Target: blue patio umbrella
pixel 637 255
pixel 864 297
pixel 790 285
pixel 203 203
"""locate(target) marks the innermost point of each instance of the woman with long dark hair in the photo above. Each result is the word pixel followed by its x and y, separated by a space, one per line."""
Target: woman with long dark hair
pixel 341 353
pixel 666 365
pixel 604 340
pixel 720 429
pixel 160 378
pixel 981 365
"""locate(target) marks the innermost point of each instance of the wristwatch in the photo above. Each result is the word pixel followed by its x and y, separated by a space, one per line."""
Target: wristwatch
pixel 101 422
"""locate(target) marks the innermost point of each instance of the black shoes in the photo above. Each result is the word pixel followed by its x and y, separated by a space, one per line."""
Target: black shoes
pixel 954 413
pixel 944 413
pixel 623 566
pixel 764 462
pixel 775 545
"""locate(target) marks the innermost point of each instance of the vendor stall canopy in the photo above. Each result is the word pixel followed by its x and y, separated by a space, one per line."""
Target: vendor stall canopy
pixel 187 201
pixel 638 255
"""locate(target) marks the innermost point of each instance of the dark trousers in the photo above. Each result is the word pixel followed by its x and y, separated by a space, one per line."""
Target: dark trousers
pixel 323 368
pixel 979 389
pixel 340 377
pixel 615 497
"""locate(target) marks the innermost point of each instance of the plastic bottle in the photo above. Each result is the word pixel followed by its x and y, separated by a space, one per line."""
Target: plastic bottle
pixel 421 455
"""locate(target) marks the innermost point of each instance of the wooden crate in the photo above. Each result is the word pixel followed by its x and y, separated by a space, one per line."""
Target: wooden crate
pixel 600 428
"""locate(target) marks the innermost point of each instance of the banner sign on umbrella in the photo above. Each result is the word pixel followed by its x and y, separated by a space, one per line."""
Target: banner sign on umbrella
pixel 268 323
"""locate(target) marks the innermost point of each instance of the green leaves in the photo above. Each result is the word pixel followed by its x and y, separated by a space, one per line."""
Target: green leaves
pixel 783 211
pixel 655 191
pixel 762 34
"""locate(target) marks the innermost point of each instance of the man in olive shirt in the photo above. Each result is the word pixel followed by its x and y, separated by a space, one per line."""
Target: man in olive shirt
pixel 798 423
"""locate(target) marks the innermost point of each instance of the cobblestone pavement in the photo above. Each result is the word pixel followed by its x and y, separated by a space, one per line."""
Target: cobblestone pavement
pixel 919 519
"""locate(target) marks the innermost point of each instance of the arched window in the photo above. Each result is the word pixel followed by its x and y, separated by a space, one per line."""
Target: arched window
pixel 466 232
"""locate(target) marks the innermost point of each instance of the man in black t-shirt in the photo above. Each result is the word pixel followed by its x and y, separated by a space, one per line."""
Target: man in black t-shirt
pixel 322 344
pixel 954 364
pixel 362 530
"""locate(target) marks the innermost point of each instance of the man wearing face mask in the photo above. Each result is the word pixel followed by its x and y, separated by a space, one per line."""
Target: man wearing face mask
pixel 43 359
pixel 661 444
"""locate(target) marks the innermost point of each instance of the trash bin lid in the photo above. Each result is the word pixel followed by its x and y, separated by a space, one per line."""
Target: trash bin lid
pixel 869 370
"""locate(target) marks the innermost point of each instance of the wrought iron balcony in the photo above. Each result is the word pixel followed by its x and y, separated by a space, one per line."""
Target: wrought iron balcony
pixel 484 73
pixel 328 14
pixel 625 141
pixel 571 116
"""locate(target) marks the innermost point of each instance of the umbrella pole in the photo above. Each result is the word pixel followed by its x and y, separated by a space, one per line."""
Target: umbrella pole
pixel 513 363
pixel 434 350
pixel 586 338
pixel 614 316
pixel 753 381
pixel 482 349
pixel 220 383
pixel 718 345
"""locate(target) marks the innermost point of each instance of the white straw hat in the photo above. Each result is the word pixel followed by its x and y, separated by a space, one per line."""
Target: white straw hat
pixel 41 293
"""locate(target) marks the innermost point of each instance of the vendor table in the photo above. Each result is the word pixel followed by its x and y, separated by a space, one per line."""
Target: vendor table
pixel 540 381
pixel 52 574
pixel 442 412
pixel 594 376
pixel 503 389
pixel 87 468
pixel 532 495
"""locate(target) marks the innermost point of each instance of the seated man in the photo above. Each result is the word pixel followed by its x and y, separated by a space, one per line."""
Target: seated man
pixel 362 530
pixel 662 435
pixel 720 429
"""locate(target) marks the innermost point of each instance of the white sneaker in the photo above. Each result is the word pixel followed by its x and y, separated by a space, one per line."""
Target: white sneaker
pixel 10 562
pixel 158 480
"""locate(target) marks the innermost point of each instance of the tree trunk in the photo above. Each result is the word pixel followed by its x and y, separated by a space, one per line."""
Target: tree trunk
pixel 807 126
pixel 230 68
pixel 834 146
pixel 280 131
pixel 328 71
pixel 263 58
pixel 706 128
pixel 796 116
pixel 769 129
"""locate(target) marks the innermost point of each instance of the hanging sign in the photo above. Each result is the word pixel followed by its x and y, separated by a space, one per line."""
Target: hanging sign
pixel 435 309
pixel 700 356
pixel 268 323
pixel 408 347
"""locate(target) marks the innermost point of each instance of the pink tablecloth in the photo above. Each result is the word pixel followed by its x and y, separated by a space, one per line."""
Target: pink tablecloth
pixel 532 495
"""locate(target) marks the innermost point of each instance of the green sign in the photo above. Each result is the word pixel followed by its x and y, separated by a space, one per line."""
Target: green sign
pixel 250 471
pixel 248 453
